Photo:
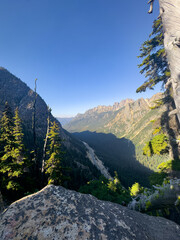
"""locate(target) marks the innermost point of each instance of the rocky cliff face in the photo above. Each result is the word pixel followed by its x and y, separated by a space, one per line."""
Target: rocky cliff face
pixel 116 106
pixel 56 213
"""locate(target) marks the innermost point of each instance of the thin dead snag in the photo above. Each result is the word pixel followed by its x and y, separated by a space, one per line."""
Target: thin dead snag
pixel 45 145
pixel 34 122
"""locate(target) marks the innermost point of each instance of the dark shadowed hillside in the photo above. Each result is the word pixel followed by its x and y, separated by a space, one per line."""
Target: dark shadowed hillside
pixel 118 155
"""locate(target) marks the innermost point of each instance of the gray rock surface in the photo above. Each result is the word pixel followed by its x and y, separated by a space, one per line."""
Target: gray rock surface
pixel 56 213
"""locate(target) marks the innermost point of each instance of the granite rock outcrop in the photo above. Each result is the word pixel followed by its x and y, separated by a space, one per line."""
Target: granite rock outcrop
pixel 57 213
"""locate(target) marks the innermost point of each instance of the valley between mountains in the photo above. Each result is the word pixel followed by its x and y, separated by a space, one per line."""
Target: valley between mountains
pixel 116 134
pixel 101 151
pixel 119 133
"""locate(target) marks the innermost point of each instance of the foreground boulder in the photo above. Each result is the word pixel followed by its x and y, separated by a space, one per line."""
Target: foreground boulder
pixel 57 213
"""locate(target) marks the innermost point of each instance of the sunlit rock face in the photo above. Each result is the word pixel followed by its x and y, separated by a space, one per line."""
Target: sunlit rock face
pixel 57 213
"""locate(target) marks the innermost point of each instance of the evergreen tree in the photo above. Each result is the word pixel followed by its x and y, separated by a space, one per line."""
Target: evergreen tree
pixel 154 63
pixel 18 137
pixel 108 190
pixel 53 166
pixel 12 161
pixel 6 138
pixel 7 141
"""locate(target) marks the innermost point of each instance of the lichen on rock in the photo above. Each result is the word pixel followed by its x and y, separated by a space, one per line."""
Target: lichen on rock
pixel 57 213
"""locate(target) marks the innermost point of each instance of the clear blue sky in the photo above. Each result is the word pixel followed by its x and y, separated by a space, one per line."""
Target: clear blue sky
pixel 83 52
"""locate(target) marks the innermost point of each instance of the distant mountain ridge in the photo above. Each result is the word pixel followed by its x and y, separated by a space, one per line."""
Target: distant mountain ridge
pixel 117 119
pixel 130 119
pixel 116 106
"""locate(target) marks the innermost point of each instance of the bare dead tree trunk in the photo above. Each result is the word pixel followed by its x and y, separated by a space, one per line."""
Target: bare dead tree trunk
pixel 170 13
pixel 45 146
pixel 170 122
pixel 36 167
pixel 34 116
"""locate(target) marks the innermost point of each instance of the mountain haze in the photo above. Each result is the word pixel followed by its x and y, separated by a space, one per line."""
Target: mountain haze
pixel 64 120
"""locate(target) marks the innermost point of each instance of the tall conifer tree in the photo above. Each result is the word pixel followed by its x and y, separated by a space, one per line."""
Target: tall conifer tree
pixel 18 137
pixel 154 64
pixel 6 138
pixel 7 141
pixel 12 161
pixel 53 164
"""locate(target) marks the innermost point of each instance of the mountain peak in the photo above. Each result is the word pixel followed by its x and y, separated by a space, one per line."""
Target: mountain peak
pixel 118 105
pixel 102 108
pixel 118 119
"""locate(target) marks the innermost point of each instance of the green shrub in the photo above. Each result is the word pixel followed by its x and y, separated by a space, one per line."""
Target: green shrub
pixel 157 145
pixel 135 189
pixel 109 190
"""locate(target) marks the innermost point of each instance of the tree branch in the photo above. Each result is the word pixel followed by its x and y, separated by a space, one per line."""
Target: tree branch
pixel 151 6
pixel 173 112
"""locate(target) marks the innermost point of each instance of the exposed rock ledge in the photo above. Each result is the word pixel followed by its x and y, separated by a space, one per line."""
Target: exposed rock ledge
pixel 57 213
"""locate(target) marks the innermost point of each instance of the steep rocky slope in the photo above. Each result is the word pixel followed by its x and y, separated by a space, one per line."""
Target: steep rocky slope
pixel 57 213
pixel 18 94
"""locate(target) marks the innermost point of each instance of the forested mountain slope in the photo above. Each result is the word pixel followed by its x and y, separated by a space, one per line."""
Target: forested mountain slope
pixel 18 94
pixel 129 119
